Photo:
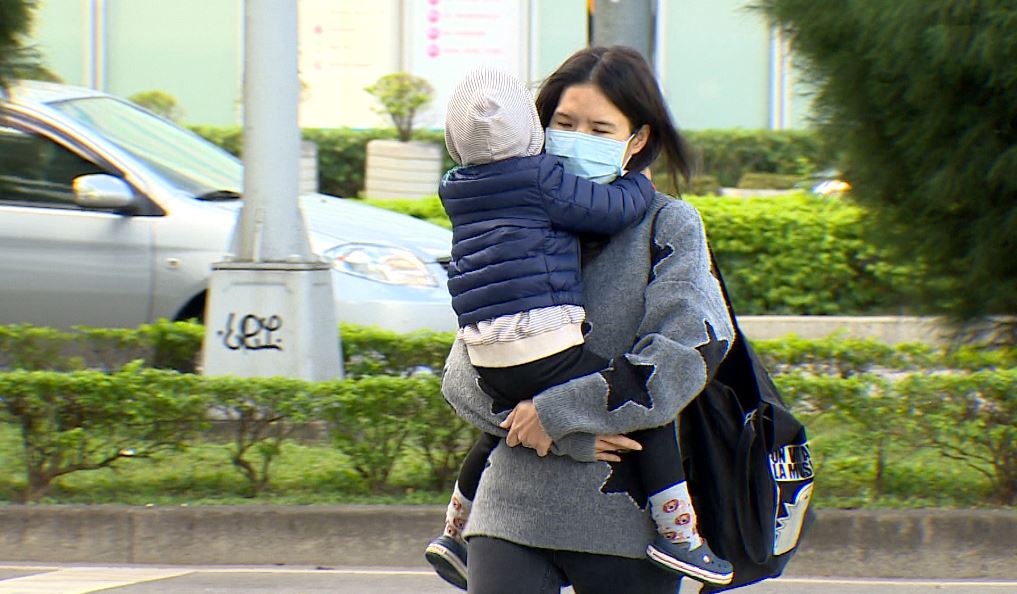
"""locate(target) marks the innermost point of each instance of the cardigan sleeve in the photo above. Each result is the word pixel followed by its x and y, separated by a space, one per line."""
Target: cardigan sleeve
pixel 683 336
pixel 461 389
pixel 578 205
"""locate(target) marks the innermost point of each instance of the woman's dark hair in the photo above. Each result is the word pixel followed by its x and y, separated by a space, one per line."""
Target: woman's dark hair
pixel 623 75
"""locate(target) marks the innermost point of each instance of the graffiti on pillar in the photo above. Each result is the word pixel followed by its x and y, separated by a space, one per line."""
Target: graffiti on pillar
pixel 251 333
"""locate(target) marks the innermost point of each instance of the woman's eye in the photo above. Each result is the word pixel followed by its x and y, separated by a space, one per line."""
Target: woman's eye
pixel 564 125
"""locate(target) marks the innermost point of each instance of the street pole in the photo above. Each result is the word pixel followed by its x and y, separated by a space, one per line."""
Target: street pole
pixel 270 307
pixel 624 22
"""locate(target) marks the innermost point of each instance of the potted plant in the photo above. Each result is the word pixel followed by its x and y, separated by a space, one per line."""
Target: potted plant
pixel 402 168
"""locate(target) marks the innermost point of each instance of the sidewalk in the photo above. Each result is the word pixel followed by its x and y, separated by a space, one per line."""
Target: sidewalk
pixel 905 543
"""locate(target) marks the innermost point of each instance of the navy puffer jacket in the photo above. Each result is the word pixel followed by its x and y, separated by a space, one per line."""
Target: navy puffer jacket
pixel 514 222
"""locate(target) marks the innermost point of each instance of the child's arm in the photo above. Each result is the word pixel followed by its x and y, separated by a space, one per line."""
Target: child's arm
pixel 578 205
pixel 684 335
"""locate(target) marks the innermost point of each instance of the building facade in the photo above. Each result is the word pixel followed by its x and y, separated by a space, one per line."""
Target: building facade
pixel 719 63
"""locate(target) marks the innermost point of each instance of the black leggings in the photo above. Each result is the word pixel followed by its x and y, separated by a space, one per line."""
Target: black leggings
pixel 500 567
pixel 660 460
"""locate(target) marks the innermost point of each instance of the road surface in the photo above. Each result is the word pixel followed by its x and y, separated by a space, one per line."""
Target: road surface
pixel 26 578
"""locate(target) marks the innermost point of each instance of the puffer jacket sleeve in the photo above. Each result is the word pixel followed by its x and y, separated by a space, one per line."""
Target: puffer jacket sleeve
pixel 684 334
pixel 578 205
pixel 461 389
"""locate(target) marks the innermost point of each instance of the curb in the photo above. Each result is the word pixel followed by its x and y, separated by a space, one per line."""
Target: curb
pixel 844 543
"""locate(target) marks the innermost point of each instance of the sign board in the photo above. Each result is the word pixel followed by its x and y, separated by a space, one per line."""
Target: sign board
pixel 345 45
pixel 448 37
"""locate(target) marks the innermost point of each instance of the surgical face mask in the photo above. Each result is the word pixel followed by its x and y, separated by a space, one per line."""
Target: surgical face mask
pixel 596 158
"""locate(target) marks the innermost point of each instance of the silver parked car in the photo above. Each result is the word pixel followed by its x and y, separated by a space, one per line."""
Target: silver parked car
pixel 111 216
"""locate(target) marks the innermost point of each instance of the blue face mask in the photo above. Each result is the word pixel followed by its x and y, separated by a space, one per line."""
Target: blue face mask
pixel 596 158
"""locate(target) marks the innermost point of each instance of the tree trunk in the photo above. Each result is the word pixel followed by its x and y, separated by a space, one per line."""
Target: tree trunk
pixel 39 483
pixel 878 481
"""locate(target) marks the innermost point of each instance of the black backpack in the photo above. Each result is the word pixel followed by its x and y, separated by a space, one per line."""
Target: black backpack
pixel 747 464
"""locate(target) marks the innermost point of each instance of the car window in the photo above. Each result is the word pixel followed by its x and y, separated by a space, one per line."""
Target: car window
pixel 35 171
pixel 183 158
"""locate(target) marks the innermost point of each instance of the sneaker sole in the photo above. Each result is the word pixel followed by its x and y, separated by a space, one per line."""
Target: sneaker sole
pixel 447 564
pixel 668 562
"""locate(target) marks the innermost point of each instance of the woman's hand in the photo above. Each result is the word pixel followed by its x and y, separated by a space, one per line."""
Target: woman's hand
pixel 610 447
pixel 525 428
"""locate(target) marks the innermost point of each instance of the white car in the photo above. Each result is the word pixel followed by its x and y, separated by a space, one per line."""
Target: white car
pixel 111 216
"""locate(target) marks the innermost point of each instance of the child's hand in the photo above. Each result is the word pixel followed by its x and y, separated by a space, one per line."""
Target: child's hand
pixel 610 447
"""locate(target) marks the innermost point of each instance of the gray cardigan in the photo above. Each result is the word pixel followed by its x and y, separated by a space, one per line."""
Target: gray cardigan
pixel 568 500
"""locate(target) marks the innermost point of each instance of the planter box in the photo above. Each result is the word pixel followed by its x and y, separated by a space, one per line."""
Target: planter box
pixel 402 169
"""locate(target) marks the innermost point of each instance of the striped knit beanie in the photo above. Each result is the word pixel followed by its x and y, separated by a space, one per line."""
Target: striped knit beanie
pixel 491 117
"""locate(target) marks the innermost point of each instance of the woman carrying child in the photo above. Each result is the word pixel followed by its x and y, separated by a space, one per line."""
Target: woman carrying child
pixel 656 326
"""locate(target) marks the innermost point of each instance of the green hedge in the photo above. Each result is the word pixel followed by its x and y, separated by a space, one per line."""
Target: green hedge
pixel 752 180
pixel 428 209
pixel 342 152
pixel 796 254
pixel 730 154
pixel 801 254
pixel 162 345
pixel 875 439
pixel 373 351
pixel 726 155
pixel 89 420
pixel 176 346
pixel 966 420
pixel 885 421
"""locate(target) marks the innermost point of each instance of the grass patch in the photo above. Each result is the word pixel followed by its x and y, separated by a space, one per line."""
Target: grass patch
pixel 203 475
pixel 308 473
pixel 846 473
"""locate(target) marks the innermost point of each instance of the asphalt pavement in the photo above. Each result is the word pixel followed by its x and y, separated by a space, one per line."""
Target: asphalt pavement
pixel 183 579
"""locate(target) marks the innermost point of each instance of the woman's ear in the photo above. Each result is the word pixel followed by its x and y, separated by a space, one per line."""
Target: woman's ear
pixel 639 140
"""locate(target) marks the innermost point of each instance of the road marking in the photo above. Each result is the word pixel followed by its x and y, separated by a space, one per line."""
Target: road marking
pixel 91 576
pixel 79 580
pixel 900 582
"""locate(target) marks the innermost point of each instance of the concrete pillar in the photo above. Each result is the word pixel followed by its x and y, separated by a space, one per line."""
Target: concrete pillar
pixel 624 22
pixel 270 308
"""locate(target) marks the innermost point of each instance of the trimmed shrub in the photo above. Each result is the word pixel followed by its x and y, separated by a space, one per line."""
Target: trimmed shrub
pixel 754 180
pixel 402 95
pixel 373 351
pixel 800 254
pixel 727 155
pixel 701 185
pixel 369 419
pixel 794 254
pixel 28 347
pixel 342 152
pixel 87 420
pixel 880 416
pixel 427 209
pixel 265 412
pixel 229 138
pixel 845 357
pixel 160 103
pixel 162 345
pixel 730 154
pixel 971 419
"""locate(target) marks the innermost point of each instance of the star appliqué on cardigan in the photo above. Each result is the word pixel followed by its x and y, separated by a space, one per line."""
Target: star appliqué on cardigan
pixel 712 350
pixel 624 478
pixel 626 383
pixel 658 253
